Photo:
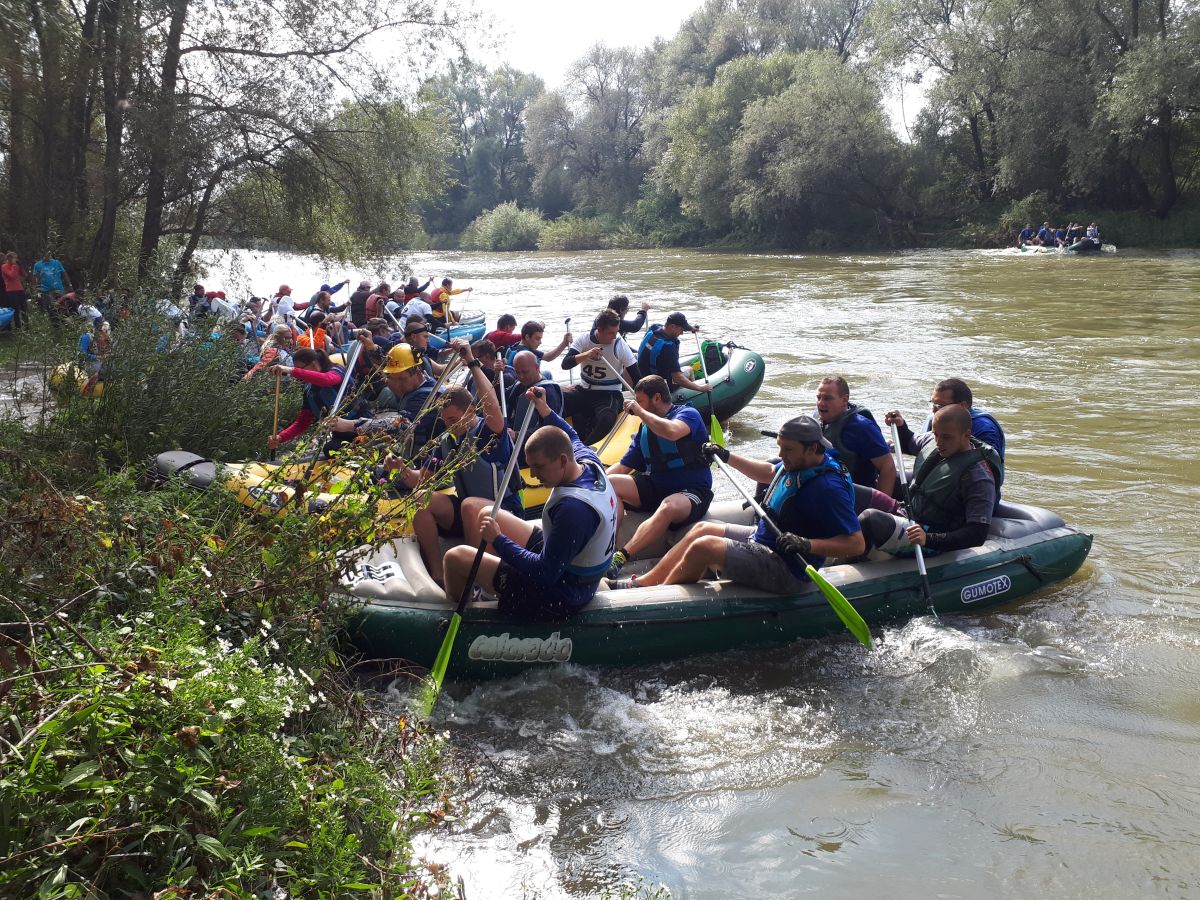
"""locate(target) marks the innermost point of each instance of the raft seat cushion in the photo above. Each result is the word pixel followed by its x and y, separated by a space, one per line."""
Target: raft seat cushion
pixel 196 470
pixel 1015 520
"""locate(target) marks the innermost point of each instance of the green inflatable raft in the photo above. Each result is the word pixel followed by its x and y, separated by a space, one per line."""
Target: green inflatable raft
pixel 735 373
pixel 405 614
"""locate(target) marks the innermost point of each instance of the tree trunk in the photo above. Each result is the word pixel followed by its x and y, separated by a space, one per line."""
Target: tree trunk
pixel 1168 189
pixel 161 140
pixel 115 76
pixel 980 160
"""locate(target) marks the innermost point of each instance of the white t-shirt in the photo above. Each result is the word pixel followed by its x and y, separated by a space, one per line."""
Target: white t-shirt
pixel 418 307
pixel 283 307
pixel 602 374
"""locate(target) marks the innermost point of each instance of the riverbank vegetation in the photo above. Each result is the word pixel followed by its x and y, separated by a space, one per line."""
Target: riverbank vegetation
pixel 179 719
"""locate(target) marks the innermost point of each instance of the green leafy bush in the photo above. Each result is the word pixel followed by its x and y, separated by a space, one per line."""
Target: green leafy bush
pixel 574 233
pixel 177 717
pixel 504 228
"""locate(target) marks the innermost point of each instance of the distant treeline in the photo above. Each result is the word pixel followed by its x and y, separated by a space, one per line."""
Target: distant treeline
pixel 765 123
pixel 130 132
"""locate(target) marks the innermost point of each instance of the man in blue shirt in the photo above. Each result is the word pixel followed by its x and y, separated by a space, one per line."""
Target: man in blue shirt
pixel 479 448
pixel 659 353
pixel 854 434
pixel 550 571
pixel 952 392
pixel 1025 236
pixel 52 281
pixel 664 471
pixel 811 499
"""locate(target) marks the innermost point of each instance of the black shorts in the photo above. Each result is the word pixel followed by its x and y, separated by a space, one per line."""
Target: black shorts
pixel 512 505
pixel 531 600
pixel 651 497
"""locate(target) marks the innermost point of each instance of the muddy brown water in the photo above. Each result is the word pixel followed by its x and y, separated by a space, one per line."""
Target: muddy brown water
pixel 1049 749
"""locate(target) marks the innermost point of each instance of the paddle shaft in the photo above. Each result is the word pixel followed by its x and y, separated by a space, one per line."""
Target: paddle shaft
pixel 759 511
pixel 503 489
pixel 712 415
pixel 275 424
pixel 928 595
pixel 570 371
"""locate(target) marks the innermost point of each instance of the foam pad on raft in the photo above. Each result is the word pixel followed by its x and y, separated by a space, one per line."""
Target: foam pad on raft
pixel 196 470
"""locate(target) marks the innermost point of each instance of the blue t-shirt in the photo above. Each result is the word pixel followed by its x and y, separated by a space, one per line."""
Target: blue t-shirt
pixel 666 363
pixel 50 273
pixel 822 508
pixel 864 438
pixel 1026 234
pixel 573 523
pixel 672 479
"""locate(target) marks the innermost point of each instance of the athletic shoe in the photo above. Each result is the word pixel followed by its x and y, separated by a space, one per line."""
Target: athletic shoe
pixel 618 563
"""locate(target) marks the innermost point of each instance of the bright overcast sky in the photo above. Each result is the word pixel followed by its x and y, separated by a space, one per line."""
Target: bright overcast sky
pixel 546 36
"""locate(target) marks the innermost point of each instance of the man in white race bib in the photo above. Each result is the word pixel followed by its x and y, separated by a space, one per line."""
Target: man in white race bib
pixel 601 354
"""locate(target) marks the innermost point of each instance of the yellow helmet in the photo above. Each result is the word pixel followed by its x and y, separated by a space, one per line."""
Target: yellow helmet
pixel 400 358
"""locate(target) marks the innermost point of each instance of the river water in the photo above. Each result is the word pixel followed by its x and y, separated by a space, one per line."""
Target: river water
pixel 1052 748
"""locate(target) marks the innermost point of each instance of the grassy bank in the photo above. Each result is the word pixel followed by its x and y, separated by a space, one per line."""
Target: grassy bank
pixel 178 718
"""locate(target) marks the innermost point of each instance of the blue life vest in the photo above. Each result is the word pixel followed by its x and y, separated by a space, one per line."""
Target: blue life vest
pixel 788 484
pixel 651 348
pixel 663 454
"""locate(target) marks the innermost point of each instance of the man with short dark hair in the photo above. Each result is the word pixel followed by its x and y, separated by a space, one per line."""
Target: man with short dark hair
pixel 809 496
pixel 664 471
pixel 953 392
pixel 855 435
pixel 601 355
pixel 358 304
pixel 553 570
pixel 659 353
pixel 532 333
pixel 416 335
pixel 505 334
pixel 952 494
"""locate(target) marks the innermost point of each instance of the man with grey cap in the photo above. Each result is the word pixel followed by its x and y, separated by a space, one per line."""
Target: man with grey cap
pixel 659 353
pixel 809 496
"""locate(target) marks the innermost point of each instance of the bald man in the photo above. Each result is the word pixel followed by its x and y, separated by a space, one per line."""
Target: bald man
pixel 952 495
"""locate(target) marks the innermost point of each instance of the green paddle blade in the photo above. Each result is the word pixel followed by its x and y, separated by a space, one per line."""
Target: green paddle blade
pixel 847 613
pixel 715 432
pixel 438 673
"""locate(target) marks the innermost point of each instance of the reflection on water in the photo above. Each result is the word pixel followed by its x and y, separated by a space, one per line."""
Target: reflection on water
pixel 1049 749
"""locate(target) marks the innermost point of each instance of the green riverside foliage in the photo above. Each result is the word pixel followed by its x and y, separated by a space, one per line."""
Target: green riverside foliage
pixel 506 227
pixel 574 233
pixel 178 717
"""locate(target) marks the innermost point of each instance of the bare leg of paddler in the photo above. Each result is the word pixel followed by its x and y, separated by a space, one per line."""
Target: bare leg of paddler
pixel 704 553
pixel 458 566
pixel 665 566
pixel 674 508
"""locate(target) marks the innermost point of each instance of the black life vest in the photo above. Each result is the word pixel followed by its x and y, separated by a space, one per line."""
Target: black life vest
pixel 935 498
pixel 862 471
